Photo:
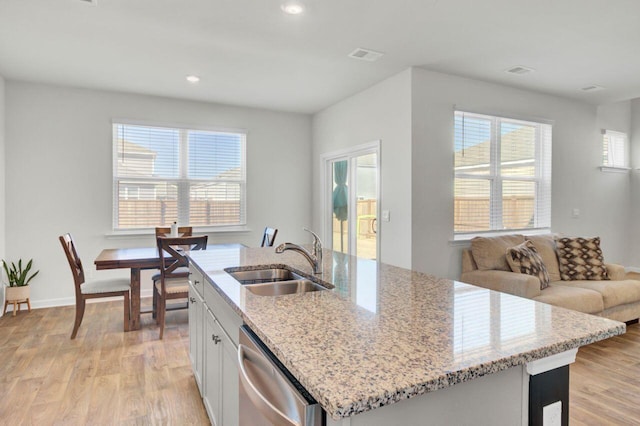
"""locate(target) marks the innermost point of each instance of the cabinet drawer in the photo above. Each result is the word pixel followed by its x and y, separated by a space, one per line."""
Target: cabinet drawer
pixel 226 316
pixel 196 279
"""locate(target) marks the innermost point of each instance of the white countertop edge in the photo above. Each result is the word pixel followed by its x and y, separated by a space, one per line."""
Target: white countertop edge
pixel 552 362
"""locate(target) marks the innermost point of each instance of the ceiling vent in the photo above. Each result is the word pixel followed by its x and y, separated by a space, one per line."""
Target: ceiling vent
pixel 519 70
pixel 592 88
pixel 365 54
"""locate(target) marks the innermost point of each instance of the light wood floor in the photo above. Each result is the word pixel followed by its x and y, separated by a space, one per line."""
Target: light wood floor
pixel 605 382
pixel 103 377
pixel 107 376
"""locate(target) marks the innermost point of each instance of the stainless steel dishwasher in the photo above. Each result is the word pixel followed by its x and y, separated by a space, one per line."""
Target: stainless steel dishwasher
pixel 269 394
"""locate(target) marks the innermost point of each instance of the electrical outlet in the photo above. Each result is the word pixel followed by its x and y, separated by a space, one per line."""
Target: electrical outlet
pixel 575 213
pixel 386 215
pixel 552 414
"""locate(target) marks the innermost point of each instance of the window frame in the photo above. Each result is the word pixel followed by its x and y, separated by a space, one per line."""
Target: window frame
pixel 541 177
pixel 182 182
pixel 607 136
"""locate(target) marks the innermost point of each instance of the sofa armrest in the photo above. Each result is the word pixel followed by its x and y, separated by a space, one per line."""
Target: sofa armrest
pixel 616 272
pixel 507 282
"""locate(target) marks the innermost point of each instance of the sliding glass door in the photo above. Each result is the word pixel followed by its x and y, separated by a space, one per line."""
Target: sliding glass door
pixel 353 182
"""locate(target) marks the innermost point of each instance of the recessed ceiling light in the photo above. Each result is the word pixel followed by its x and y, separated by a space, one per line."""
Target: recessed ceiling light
pixel 292 8
pixel 519 70
pixel 193 78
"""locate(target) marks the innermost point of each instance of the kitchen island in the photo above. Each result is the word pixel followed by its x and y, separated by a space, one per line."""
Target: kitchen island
pixel 387 344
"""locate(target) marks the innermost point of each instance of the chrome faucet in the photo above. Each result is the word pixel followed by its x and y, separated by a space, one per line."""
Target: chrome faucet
pixel 314 258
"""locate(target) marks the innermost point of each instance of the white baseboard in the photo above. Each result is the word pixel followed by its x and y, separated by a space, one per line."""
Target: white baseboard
pixel 632 269
pixel 70 301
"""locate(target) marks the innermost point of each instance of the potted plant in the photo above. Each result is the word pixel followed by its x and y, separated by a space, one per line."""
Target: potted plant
pixel 18 289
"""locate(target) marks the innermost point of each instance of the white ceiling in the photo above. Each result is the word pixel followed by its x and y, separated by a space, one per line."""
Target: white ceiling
pixel 248 52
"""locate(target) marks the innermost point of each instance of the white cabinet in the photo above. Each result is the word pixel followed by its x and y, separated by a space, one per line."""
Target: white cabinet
pixel 213 349
pixel 230 383
pixel 211 394
pixel 196 305
pixel 220 392
pixel 228 319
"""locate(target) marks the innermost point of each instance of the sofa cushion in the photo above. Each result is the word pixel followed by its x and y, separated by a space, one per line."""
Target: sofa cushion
pixel 613 293
pixel 618 272
pixel 569 297
pixel 546 246
pixel 468 264
pixel 490 252
pixel 524 259
pixel 581 259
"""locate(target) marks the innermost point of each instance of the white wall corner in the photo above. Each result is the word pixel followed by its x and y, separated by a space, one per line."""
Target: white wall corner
pixel 2 180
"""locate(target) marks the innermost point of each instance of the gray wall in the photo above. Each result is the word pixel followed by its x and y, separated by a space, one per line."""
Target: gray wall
pixel 379 113
pixel 59 173
pixel 422 215
pixel 634 223
pixel 2 180
pixel 577 182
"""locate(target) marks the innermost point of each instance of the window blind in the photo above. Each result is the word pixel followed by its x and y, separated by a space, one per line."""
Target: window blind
pixel 614 149
pixel 502 174
pixel 164 175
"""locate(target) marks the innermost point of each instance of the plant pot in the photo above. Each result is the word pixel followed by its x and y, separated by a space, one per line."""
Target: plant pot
pixel 17 294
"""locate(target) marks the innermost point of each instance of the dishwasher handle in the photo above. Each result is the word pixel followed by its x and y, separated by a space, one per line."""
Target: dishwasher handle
pixel 266 408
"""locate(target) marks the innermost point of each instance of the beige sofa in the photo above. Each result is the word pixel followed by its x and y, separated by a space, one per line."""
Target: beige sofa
pixel 617 298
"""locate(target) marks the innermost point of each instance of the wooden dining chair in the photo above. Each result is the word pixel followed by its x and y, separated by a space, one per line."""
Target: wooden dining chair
pixel 173 284
pixel 269 237
pixel 92 289
pixel 165 231
pixel 183 231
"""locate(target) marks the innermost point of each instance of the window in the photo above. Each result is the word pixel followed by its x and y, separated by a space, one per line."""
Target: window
pixel 614 146
pixel 163 175
pixel 502 174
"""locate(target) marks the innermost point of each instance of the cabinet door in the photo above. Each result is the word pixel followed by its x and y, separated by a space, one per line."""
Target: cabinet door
pixel 196 303
pixel 228 319
pixel 212 364
pixel 196 278
pixel 230 383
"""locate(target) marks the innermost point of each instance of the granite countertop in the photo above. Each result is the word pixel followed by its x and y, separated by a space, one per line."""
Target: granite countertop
pixel 385 333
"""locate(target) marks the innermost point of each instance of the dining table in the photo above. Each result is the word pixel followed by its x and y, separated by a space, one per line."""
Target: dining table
pixel 137 259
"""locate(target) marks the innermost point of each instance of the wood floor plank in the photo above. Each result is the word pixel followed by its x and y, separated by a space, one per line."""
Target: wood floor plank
pixel 605 382
pixel 104 399
pixel 74 405
pixel 7 395
pixel 133 408
pixel 104 376
pixel 41 413
pixel 23 395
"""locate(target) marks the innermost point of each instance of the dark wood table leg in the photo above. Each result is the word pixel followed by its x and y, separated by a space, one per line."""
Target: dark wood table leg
pixel 135 299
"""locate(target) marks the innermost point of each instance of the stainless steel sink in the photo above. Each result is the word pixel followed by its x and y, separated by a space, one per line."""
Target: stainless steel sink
pixel 284 287
pixel 275 282
pixel 265 276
